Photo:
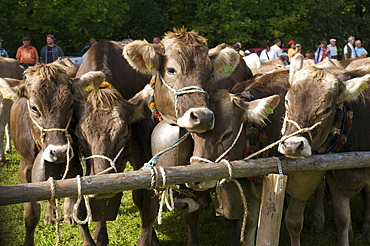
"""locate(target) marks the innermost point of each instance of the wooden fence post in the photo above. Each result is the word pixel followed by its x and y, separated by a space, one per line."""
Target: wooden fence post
pixel 271 210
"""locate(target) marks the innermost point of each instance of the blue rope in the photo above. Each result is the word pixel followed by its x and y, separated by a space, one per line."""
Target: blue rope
pixel 152 162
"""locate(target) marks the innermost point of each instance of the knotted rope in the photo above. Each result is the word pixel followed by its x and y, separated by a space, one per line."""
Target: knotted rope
pixel 153 161
pixel 54 204
pixel 112 163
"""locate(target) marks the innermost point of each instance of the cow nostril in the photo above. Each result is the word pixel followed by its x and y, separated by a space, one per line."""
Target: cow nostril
pixel 185 206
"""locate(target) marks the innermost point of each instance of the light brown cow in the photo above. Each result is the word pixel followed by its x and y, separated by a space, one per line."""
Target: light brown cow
pixel 9 68
pixel 182 70
pixel 313 99
pixel 70 67
pixel 39 119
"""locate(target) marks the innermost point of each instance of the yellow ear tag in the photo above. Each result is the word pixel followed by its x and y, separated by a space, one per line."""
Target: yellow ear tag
pixel 228 68
pixel 89 87
pixel 269 110
pixel 149 65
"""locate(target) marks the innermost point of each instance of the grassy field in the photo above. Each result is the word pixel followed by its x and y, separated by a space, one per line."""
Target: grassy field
pixel 125 230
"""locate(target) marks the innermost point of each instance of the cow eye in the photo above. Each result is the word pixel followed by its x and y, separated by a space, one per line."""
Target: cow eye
pixel 328 110
pixel 227 135
pixel 286 103
pixel 171 71
pixel 34 109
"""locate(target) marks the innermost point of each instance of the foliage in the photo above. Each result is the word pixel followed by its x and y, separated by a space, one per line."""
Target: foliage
pixel 250 21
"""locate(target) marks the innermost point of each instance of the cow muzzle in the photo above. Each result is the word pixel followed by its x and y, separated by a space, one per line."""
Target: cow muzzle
pixel 57 153
pixel 295 147
pixel 202 186
pixel 186 204
pixel 197 120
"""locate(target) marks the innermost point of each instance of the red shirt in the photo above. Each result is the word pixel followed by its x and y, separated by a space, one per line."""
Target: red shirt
pixel 27 55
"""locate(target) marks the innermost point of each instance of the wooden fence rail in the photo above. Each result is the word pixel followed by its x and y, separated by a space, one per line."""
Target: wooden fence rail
pixel 178 175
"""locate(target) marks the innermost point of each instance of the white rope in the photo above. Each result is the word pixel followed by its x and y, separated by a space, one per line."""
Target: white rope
pixel 232 145
pixel 53 203
pixel 88 218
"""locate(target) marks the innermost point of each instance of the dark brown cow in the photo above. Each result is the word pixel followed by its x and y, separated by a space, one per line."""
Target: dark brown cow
pixel 313 99
pixel 39 120
pixel 9 68
pixel 183 70
pixel 103 119
pixel 106 56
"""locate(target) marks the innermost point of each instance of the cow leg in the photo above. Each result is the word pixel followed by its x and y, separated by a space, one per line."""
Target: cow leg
pixel 294 220
pixel 319 213
pixel 31 219
pixel 366 221
pixel 342 211
pixel 8 147
pixel 69 203
pixel 147 203
pixel 2 153
pixel 86 236
pixel 192 221
pixel 101 233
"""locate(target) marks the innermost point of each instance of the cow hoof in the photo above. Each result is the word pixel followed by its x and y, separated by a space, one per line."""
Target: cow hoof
pixel 68 220
pixel 48 220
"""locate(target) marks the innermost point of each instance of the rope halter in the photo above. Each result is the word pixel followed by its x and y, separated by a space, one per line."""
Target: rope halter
pixel 182 91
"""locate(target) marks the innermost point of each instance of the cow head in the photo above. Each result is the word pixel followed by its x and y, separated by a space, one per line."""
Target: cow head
pixel 311 103
pixel 183 70
pixel 103 128
pixel 48 91
pixel 230 113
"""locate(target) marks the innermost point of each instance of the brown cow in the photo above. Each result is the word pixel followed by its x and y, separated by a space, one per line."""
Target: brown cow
pixel 231 114
pixel 182 70
pixel 39 120
pixel 106 56
pixel 103 119
pixel 70 67
pixel 325 94
pixel 9 68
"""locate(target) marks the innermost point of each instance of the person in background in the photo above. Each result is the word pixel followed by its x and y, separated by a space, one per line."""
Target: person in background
pixel 309 55
pixel 348 50
pixel 322 52
pixel 292 50
pixel 284 57
pixel 50 52
pixel 267 53
pixel 277 47
pixel 299 49
pixel 333 48
pixel 3 52
pixel 157 40
pixel 92 42
pixel 360 51
pixel 127 41
pixel 26 54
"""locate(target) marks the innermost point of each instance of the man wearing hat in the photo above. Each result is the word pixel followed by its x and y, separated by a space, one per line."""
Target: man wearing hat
pixel 349 49
pixel 333 48
pixel 51 51
pixel 3 52
pixel 26 54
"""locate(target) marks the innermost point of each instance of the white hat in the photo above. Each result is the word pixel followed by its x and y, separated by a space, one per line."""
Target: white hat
pixel 333 40
pixel 247 52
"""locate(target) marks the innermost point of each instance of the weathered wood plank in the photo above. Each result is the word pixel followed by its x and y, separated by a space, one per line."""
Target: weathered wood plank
pixel 271 210
pixel 179 175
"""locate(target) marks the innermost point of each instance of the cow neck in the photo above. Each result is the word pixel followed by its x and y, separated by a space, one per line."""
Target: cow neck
pixel 185 90
pixel 342 125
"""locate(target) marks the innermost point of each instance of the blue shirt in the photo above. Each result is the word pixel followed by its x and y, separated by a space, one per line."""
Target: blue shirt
pixel 360 50
pixel 3 53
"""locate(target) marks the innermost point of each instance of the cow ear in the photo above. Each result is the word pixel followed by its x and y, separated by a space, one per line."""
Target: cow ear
pixel 353 88
pixel 142 56
pixel 139 101
pixel 258 110
pixel 224 63
pixel 295 66
pixel 12 88
pixel 88 81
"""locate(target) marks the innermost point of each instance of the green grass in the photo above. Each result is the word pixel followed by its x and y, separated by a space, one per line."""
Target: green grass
pixel 125 230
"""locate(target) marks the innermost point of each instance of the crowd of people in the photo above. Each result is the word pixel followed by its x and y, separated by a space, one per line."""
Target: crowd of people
pixel 351 50
pixel 27 54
